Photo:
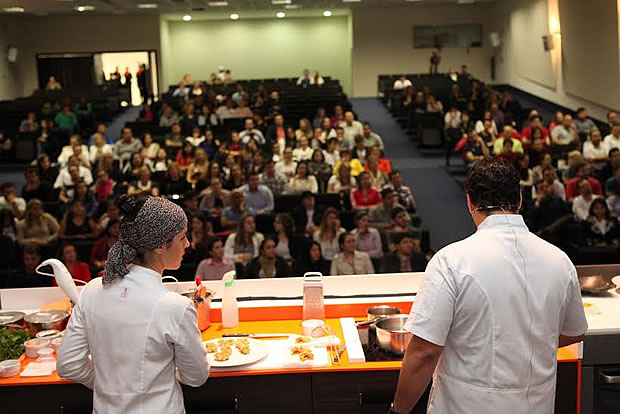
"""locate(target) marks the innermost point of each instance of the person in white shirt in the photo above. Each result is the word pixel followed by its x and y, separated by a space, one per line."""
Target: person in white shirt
pixel 304 152
pixel 452 118
pixel 402 83
pixel 613 140
pixel 487 323
pixel 595 151
pixel 581 203
pixel 99 148
pixel 351 128
pixel 129 338
pixel 64 177
pixel 286 166
pixel 10 201
pixel 68 150
pixel 331 154
pixel 250 132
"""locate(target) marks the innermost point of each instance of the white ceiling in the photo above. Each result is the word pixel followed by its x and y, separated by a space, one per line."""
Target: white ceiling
pixel 64 7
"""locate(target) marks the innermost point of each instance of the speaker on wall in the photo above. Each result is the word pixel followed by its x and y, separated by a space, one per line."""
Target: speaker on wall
pixel 11 54
pixel 496 41
pixel 548 42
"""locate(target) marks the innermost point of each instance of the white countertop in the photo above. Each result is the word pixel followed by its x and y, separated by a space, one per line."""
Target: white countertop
pixel 604 314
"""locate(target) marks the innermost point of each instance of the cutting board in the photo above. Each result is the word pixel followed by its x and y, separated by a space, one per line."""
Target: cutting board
pixel 280 357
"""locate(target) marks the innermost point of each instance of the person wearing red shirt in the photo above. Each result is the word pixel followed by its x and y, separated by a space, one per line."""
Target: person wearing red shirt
pixel 364 196
pixel 185 156
pixel 99 252
pixel 79 270
pixel 526 133
pixel 572 185
pixel 384 164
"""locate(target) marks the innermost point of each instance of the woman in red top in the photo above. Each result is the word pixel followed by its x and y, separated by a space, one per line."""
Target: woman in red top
pixel 384 164
pixel 79 270
pixel 99 253
pixel 365 196
pixel 185 156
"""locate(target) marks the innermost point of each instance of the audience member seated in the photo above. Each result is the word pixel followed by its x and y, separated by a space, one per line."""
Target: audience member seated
pixel 305 130
pixel 302 182
pixel 355 166
pixel 583 123
pixel 402 83
pixel 535 125
pixel 565 136
pixel 403 192
pixel 53 84
pixel 351 128
pixel 288 245
pixel 66 121
pixel 268 264
pixel 407 256
pixel 215 198
pixel 101 129
pixel 127 146
pixel 313 263
pixel 143 184
pixel 600 229
pixel 251 133
pixel 286 167
pixel 11 201
pixel 197 170
pixel 507 135
pixel 308 214
pixel 572 185
pixel 367 239
pixel 69 150
pixel 242 246
pixel 320 169
pixel 83 194
pixel 547 210
pixel 37 228
pixel 401 223
pixel 349 261
pixel 75 224
pixel 258 197
pixel 99 252
pixel 78 269
pixel 360 151
pixel 381 215
pixel 475 149
pixel 331 154
pixel 614 162
pixel 232 215
pixel 29 124
pixel 581 203
pixel 371 139
pixel 378 179
pixel 174 184
pixel 276 182
pixel 98 149
pixel 303 152
pixel 596 153
pixel 613 139
pixel 365 196
pixel 613 201
pixel 555 186
pixel 168 118
pixel 328 232
pixel 216 265
pixel 612 183
pixel 150 148
pixel 342 182
pixel 26 275
pixel 200 231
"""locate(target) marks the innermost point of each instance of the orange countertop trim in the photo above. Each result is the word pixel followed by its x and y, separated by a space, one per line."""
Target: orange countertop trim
pixel 279 320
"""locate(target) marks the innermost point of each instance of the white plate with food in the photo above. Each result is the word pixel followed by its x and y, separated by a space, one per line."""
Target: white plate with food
pixel 233 352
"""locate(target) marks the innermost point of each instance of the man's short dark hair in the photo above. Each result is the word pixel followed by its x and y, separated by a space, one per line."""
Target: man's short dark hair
pixel 307 194
pixel 581 108
pixel 332 139
pixel 6 185
pixel 493 182
pixel 547 168
pixel 211 242
pixel 32 250
pixel 396 211
pixel 398 236
pixel 190 195
pixel 253 173
pixel 613 151
pixel 386 192
pixel 393 173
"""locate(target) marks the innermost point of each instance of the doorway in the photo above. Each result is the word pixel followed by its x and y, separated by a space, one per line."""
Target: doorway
pixel 109 64
pixel 71 70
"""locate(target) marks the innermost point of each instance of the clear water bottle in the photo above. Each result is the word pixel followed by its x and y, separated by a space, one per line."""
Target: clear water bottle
pixel 314 307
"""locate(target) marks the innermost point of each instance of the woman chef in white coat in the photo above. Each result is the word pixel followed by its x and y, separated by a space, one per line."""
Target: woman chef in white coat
pixel 138 333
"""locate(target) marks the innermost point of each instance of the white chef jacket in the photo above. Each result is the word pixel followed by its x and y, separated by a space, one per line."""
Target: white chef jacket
pixel 473 303
pixel 138 334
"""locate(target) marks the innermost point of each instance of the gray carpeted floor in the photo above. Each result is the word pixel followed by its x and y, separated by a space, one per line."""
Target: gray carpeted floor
pixel 440 199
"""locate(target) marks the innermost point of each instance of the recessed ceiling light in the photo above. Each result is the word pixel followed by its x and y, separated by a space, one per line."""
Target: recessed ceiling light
pixel 218 3
pixel 146 5
pixel 84 8
pixel 14 9
pixel 234 16
pixel 351 1
pixel 187 18
pixel 292 6
pixel 327 13
pixel 280 15
pixel 280 1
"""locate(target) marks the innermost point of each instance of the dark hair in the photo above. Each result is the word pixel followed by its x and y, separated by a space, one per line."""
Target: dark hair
pixel 360 214
pixel 307 194
pixel 108 226
pixel 342 237
pixel 32 250
pixel 613 150
pixel 287 222
pixel 265 240
pixel 63 246
pixel 493 182
pixel 398 236
pixel 393 173
pixel 396 211
pixel 386 192
pixel 191 194
pixel 4 186
pixel 211 243
pixel 602 202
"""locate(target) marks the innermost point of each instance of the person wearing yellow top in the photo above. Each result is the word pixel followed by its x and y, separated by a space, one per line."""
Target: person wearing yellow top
pixel 356 166
pixel 498 146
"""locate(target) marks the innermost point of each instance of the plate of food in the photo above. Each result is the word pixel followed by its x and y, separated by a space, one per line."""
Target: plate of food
pixel 233 352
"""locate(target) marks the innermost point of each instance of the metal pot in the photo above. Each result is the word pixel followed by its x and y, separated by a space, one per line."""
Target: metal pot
pixel 43 321
pixel 391 336
pixel 380 311
pixel 12 320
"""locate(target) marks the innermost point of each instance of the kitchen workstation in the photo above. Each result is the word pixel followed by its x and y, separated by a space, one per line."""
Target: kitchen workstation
pixel 331 344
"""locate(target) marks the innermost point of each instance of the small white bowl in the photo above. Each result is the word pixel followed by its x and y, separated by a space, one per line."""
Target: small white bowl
pixel 45 354
pixel 33 345
pixel 9 368
pixel 56 344
pixel 313 327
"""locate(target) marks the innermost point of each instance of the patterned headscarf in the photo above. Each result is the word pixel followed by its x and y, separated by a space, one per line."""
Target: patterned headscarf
pixel 157 222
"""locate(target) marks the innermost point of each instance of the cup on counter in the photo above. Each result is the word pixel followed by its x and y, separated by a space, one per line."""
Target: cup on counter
pixel 56 342
pixel 9 368
pixel 33 346
pixel 313 327
pixel 45 355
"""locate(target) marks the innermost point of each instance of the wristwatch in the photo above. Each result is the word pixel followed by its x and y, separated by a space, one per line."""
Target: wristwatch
pixel 391 410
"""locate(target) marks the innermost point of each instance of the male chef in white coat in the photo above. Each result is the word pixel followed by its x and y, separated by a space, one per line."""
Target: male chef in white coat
pixel 492 311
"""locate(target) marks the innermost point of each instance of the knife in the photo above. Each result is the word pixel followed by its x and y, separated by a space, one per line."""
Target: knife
pixel 255 336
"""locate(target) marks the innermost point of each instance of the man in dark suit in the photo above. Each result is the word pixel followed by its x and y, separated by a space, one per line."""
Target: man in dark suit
pixel 405 258
pixel 308 215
